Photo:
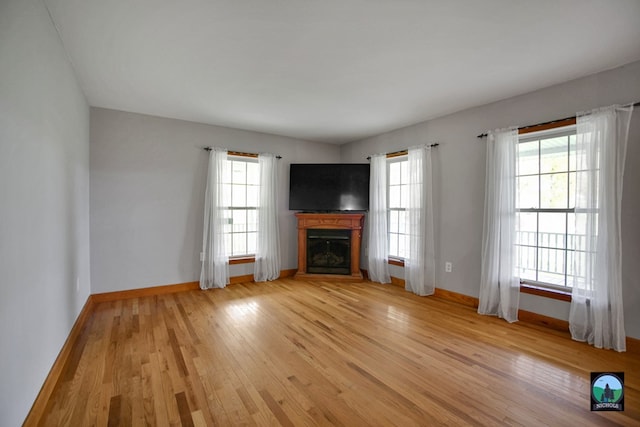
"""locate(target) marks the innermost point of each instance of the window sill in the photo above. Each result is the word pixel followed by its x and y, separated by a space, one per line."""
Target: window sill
pixel 527 288
pixel 242 260
pixel 396 261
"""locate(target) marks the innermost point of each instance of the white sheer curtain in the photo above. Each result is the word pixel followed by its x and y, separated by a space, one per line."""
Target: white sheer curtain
pixel 215 266
pixel 596 302
pixel 419 265
pixel 267 264
pixel 378 258
pixel 499 281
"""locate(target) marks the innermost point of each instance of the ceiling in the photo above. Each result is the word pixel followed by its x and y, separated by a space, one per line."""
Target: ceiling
pixel 334 70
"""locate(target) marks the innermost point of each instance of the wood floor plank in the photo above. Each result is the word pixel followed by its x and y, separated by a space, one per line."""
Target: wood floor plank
pixel 296 352
pixel 115 410
pixel 183 408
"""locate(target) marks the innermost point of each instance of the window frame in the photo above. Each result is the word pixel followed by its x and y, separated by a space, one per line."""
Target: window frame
pixel 248 256
pixel 564 128
pixel 398 157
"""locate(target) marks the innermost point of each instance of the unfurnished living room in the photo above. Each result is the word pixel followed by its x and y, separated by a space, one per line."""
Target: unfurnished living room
pixel 288 212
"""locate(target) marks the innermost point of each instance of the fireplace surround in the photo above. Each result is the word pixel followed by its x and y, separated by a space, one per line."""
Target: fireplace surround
pixel 329 245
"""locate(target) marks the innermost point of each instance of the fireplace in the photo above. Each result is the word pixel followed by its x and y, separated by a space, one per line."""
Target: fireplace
pixel 329 245
pixel 328 251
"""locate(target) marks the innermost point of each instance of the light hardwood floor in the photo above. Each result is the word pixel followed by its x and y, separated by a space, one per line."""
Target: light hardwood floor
pixel 298 353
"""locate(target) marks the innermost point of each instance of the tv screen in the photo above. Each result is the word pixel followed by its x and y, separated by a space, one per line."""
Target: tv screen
pixel 328 187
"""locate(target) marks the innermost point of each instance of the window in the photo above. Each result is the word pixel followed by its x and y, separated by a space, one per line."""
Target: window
pixel 545 219
pixel 242 183
pixel 397 196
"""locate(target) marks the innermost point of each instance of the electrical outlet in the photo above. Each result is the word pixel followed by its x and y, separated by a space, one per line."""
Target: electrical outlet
pixel 448 267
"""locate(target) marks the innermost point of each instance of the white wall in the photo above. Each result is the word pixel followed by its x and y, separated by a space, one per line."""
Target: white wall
pixel 147 195
pixel 44 203
pixel 459 167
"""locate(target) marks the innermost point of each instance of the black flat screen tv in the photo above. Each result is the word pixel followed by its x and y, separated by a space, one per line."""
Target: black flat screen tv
pixel 329 187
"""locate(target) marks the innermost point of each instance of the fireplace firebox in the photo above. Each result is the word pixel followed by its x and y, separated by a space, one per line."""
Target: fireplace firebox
pixel 329 251
pixel 329 245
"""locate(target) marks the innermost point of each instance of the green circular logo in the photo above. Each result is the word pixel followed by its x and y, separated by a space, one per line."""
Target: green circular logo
pixel 607 388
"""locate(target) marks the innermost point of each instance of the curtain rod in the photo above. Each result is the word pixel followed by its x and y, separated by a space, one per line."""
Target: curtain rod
pixel 403 152
pixel 239 153
pixel 551 122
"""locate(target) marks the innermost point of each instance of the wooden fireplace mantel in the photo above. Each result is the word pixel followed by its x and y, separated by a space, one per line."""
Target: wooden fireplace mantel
pixel 330 221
